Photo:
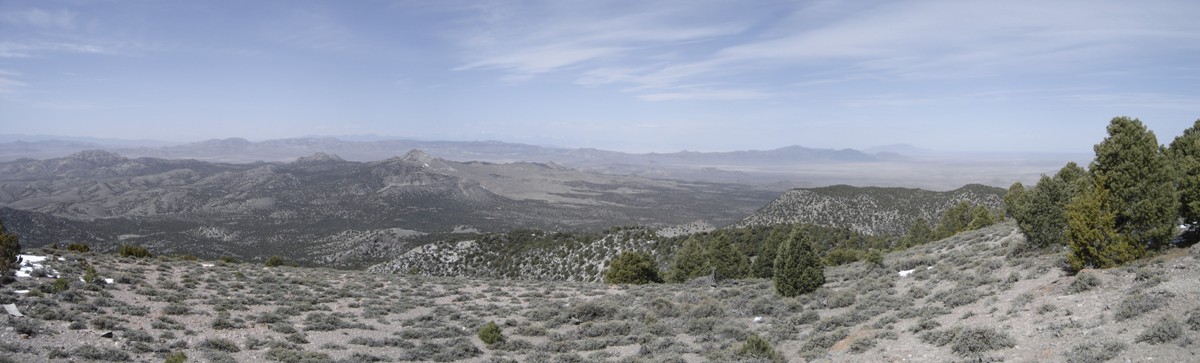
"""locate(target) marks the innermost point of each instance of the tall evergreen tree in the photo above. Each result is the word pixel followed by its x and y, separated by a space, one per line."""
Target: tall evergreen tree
pixel 1092 231
pixel 798 268
pixel 954 220
pixel 691 261
pixel 1136 172
pixel 725 258
pixel 1042 216
pixel 1185 155
pixel 918 233
pixel 1014 199
pixel 632 267
pixel 980 217
pixel 764 263
pixel 10 247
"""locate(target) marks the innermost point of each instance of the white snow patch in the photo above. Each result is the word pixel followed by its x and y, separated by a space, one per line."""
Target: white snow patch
pixel 21 292
pixel 905 273
pixel 207 265
pixel 758 319
pixel 33 262
pixel 109 281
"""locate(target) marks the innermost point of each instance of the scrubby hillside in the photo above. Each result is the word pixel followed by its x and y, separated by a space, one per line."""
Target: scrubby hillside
pixel 966 298
pixel 868 210
pixel 524 255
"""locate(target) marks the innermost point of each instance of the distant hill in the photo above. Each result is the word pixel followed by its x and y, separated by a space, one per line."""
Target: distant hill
pixel 868 210
pixel 297 208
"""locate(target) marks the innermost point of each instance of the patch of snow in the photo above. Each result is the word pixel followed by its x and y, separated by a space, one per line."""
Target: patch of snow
pixel 905 273
pixel 109 281
pixel 207 265
pixel 33 262
pixel 758 319
pixel 21 292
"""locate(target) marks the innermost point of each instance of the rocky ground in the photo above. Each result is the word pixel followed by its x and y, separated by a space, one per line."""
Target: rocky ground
pixel 976 296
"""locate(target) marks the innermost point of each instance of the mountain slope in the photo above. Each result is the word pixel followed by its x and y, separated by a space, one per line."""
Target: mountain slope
pixel 204 208
pixel 868 210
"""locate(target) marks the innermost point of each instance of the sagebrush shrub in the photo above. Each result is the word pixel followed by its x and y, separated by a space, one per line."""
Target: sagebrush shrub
pixel 1094 352
pixel 134 251
pixel 1165 330
pixel 1084 281
pixel 757 347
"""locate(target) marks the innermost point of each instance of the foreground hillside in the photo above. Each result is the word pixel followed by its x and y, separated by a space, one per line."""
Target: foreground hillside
pixel 963 298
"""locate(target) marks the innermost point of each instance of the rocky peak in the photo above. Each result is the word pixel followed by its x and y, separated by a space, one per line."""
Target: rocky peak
pixel 417 156
pixel 96 156
pixel 319 157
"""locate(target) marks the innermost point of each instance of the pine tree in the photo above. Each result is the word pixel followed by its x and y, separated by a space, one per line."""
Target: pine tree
pixel 10 247
pixel 918 233
pixel 1185 155
pixel 1042 216
pixel 726 259
pixel 631 267
pixel 764 263
pixel 1132 166
pixel 798 268
pixel 1014 199
pixel 1092 233
pixel 691 261
pixel 980 217
pixel 954 220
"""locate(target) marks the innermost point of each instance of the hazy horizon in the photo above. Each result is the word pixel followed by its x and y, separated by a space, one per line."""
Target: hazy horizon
pixel 625 76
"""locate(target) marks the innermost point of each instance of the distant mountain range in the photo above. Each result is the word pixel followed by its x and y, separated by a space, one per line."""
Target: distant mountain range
pixel 780 169
pixel 237 150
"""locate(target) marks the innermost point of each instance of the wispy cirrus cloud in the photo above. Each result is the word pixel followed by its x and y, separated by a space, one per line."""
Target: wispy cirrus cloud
pixel 9 82
pixel 579 36
pixel 34 48
pixel 61 19
pixel 652 55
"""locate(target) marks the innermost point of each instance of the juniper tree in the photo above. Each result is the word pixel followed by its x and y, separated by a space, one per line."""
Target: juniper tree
pixel 764 263
pixel 918 233
pixel 689 262
pixel 726 259
pixel 10 247
pixel 1014 199
pixel 1185 155
pixel 798 268
pixel 1132 166
pixel 1092 233
pixel 1042 215
pixel 631 267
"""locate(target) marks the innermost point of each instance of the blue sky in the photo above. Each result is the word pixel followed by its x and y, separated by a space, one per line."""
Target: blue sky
pixel 622 75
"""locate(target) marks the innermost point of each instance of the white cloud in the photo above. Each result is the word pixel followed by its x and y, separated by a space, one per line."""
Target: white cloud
pixel 9 83
pixel 659 57
pixel 61 19
pixel 32 49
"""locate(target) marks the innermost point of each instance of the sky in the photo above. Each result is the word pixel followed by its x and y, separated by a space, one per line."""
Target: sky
pixel 634 76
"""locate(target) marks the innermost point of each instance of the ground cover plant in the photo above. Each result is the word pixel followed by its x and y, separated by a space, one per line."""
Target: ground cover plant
pixel 957 299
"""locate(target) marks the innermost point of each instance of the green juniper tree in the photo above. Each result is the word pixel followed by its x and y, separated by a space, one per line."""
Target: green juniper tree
pixel 1185 155
pixel 764 263
pixel 1014 199
pixel 1092 232
pixel 10 247
pixel 798 268
pixel 1132 166
pixel 689 262
pixel 725 258
pixel 631 267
